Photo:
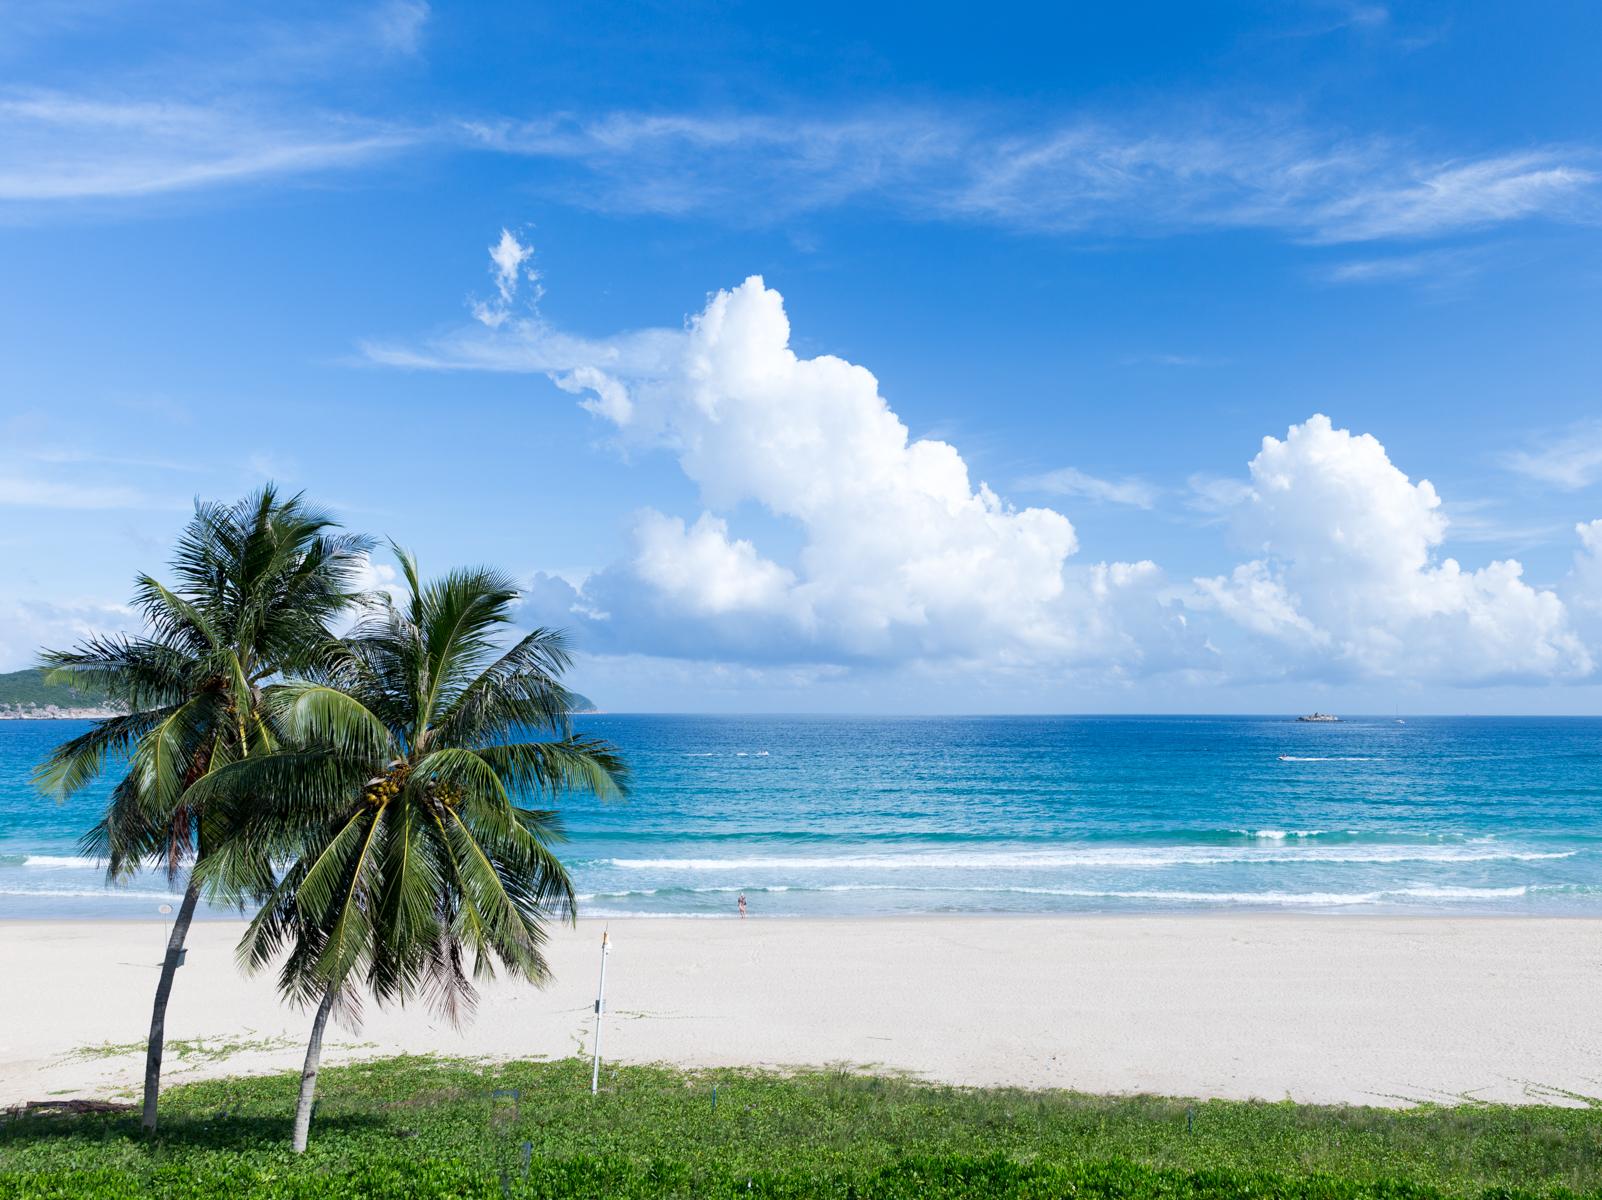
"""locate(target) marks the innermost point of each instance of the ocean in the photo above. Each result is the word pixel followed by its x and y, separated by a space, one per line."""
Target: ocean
pixel 841 816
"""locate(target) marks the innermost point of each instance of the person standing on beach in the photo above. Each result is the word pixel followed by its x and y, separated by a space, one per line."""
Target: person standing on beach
pixel 741 903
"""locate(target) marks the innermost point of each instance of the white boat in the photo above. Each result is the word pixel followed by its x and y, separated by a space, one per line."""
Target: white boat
pixel 1319 716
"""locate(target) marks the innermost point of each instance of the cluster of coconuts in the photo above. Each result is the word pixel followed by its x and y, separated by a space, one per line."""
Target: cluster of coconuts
pixel 385 788
pixel 382 790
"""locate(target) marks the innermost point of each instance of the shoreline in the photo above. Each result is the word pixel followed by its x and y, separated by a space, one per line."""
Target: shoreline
pixel 1219 913
pixel 1200 913
pixel 1358 914
pixel 1315 1008
pixel 64 714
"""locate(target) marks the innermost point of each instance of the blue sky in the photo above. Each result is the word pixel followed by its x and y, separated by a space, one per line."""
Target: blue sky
pixel 1092 259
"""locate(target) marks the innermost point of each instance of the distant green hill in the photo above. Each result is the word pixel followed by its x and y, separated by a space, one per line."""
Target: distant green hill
pixel 28 686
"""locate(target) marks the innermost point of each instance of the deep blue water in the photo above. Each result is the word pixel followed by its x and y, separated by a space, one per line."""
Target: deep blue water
pixel 822 816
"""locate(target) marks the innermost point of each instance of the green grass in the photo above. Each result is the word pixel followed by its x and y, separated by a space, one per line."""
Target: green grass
pixel 195 1050
pixel 419 1127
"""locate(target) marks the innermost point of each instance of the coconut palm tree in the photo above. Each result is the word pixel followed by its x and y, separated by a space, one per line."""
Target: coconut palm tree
pixel 414 807
pixel 255 585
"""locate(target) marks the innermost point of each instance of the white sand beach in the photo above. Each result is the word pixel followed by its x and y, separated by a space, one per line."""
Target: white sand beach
pixel 1381 1010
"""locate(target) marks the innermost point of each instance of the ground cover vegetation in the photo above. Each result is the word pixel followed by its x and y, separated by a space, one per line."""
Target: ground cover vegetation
pixel 415 1127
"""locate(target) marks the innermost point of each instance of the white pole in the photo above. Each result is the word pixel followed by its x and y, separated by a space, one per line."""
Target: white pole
pixel 600 1007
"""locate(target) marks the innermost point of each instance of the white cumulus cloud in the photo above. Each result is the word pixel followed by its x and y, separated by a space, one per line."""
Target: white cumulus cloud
pixel 705 571
pixel 1585 580
pixel 902 554
pixel 895 555
pixel 29 625
pixel 1346 573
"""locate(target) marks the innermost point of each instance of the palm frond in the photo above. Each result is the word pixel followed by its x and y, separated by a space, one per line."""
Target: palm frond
pixel 399 783
pixel 519 692
pixel 174 619
pixel 137 672
pixel 319 715
pixel 548 769
pixel 77 762
pixel 124 838
pixel 458 618
pixel 173 754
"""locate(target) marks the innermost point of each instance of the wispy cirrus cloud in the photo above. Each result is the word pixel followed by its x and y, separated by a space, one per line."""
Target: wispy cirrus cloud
pixel 1468 194
pixel 1486 522
pixel 1070 481
pixel 1338 16
pixel 1168 359
pixel 399 24
pixel 1431 265
pixel 75 456
pixel 56 146
pixel 269 99
pixel 273 50
pixel 1437 271
pixel 1569 459
pixel 1158 173
pixel 218 99
pixel 1374 23
pixel 22 492
pixel 200 45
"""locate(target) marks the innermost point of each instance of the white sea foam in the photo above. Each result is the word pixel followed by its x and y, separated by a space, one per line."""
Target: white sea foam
pixel 1280 835
pixel 1133 857
pixel 1161 896
pixel 1310 899
pixel 768 889
pixel 61 861
pixel 647 915
pixel 614 895
pixel 106 893
pixel 1325 758
pixel 1461 893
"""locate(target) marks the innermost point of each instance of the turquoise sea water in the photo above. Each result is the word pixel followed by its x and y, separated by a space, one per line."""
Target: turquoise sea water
pixel 836 816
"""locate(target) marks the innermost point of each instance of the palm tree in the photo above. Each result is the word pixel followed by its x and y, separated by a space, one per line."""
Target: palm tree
pixel 403 793
pixel 255 585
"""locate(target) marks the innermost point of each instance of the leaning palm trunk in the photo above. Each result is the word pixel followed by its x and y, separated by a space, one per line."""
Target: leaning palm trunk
pixel 308 1073
pixel 158 1017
